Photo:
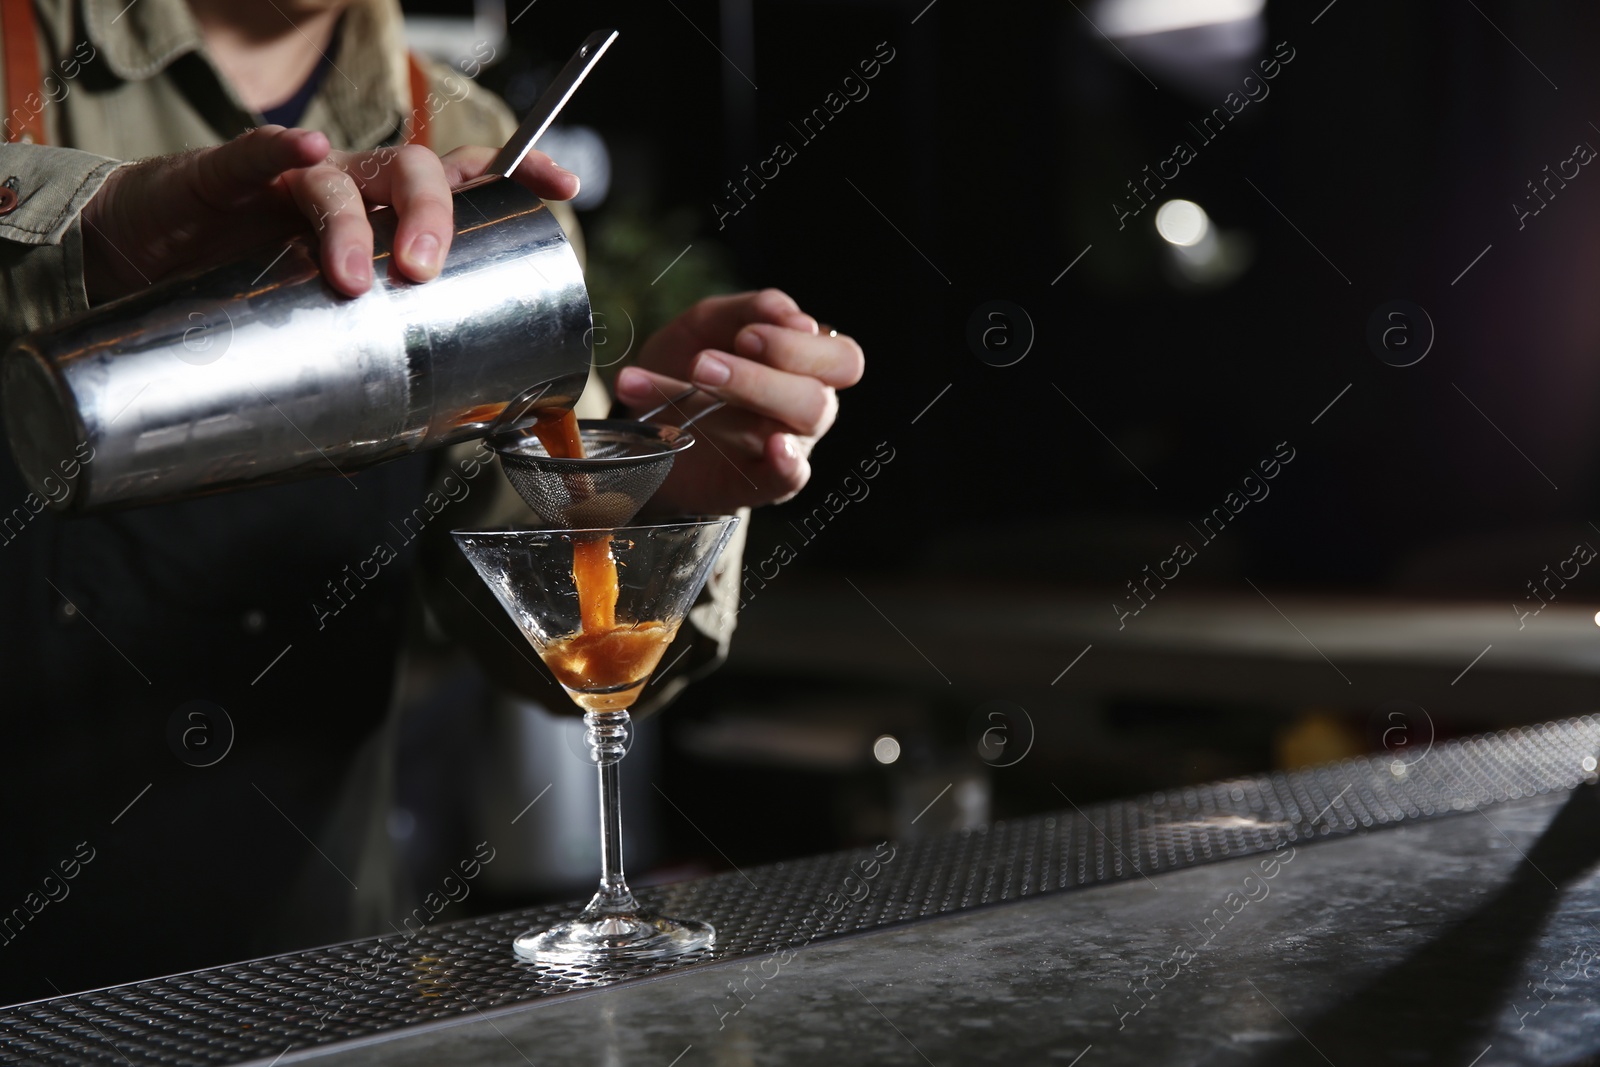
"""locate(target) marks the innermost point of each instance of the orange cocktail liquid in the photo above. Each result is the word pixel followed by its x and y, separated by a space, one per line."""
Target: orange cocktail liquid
pixel 604 665
pixel 594 570
pixel 604 671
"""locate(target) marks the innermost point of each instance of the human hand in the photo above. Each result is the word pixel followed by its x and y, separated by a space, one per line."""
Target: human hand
pixel 199 208
pixel 778 374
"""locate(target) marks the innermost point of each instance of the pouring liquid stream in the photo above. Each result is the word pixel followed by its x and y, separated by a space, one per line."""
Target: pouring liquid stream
pixel 605 664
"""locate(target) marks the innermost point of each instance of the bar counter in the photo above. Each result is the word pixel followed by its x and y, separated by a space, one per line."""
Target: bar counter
pixel 1440 909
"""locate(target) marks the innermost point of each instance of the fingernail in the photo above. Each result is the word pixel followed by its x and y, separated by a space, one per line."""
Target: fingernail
pixel 751 343
pixel 357 266
pixel 577 182
pixel 425 252
pixel 711 371
pixel 790 447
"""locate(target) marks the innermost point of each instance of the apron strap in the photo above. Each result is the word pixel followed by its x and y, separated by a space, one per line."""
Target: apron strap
pixel 19 33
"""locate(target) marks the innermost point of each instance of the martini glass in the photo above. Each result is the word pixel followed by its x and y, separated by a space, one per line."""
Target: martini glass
pixel 603 667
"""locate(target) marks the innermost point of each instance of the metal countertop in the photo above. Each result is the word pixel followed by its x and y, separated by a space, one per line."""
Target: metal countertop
pixel 1370 911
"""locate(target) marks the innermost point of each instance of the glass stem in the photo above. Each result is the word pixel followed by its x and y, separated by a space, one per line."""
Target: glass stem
pixel 607 736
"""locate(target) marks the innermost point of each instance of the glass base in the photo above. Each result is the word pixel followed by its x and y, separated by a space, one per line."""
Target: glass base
pixel 616 937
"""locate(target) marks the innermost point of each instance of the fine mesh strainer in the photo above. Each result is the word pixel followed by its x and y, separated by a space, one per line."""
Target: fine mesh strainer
pixel 624 463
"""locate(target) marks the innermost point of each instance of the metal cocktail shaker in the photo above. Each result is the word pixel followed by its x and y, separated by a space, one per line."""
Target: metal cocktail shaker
pixel 258 371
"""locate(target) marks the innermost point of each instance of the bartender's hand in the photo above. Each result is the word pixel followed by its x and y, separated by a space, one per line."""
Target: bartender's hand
pixel 202 207
pixel 777 371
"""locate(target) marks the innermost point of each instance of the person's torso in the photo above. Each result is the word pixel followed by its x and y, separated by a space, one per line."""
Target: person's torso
pixel 273 612
pixel 134 81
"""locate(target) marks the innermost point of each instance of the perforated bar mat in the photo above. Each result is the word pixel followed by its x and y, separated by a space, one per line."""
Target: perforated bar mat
pixel 258 1010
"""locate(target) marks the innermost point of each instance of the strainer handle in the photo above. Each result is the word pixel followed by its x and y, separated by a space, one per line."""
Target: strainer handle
pixel 548 106
pixel 672 401
pixel 669 402
pixel 686 423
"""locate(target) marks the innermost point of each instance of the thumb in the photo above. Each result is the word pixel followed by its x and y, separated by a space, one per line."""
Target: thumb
pixel 642 389
pixel 537 171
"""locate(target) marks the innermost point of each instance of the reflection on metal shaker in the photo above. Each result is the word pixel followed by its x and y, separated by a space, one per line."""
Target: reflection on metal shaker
pixel 258 372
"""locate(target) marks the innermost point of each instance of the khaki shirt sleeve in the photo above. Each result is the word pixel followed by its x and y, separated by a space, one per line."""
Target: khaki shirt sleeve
pixel 41 240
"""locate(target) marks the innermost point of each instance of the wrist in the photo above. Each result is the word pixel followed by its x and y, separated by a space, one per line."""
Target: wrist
pixel 106 270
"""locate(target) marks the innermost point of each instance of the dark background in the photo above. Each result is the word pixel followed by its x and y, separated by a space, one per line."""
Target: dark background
pixel 986 158
pixel 996 141
pixel 983 166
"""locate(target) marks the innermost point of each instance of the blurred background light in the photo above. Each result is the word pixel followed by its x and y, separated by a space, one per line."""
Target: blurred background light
pixel 1131 18
pixel 449 36
pixel 1182 222
pixel 1200 47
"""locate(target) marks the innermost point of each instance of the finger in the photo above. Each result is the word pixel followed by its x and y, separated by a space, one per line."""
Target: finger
pixel 716 320
pixel 801 404
pixel 413 180
pixel 721 316
pixel 537 171
pixel 328 196
pixel 738 433
pixel 789 468
pixel 644 390
pixel 837 361
pixel 770 462
pixel 747 434
pixel 224 176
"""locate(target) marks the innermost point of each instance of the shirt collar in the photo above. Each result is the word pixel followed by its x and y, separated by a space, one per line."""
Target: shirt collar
pixel 138 40
pixel 363 99
pixel 360 102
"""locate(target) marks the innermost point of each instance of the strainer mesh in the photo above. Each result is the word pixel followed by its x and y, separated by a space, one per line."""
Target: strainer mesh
pixel 620 472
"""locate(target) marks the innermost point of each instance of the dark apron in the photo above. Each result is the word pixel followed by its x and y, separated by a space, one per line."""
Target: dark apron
pixel 174 604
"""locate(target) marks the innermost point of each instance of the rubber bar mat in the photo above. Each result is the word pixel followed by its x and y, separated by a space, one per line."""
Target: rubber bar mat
pixel 258 1010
